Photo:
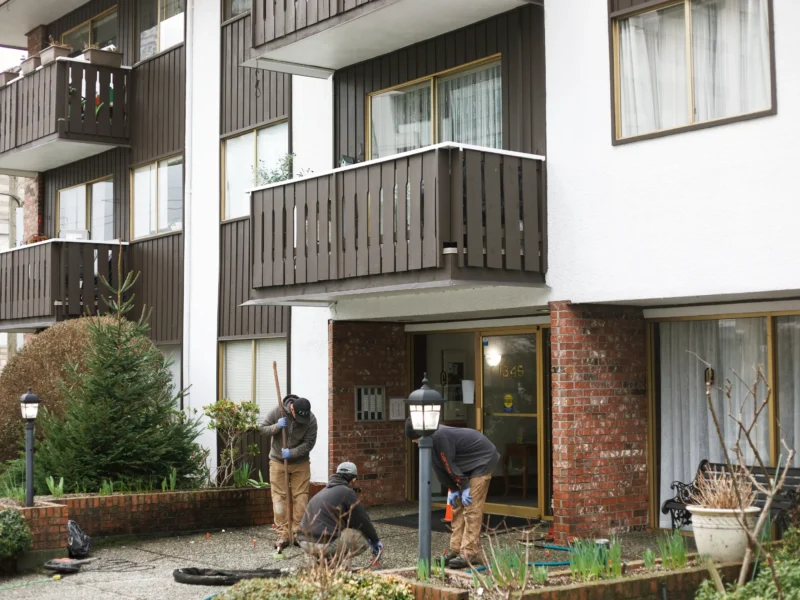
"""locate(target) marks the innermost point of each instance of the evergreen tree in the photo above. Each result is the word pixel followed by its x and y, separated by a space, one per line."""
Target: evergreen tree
pixel 121 421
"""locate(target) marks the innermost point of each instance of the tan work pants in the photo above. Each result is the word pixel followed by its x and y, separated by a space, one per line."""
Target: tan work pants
pixel 350 543
pixel 467 520
pixel 299 483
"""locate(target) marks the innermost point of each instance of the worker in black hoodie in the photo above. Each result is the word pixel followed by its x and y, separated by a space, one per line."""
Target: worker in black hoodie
pixel 335 523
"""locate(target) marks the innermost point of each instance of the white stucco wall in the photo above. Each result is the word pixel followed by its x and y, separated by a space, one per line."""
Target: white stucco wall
pixel 312 144
pixel 202 160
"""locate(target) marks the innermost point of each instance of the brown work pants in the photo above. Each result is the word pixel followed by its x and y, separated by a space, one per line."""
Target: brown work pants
pixel 467 520
pixel 299 483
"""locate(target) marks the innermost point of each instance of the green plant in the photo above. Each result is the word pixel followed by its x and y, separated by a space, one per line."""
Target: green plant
pixel 15 535
pixel 614 557
pixel 787 570
pixel 508 565
pixel 649 559
pixel 540 575
pixel 423 569
pixel 164 484
pixel 283 171
pixel 260 483
pixel 232 421
pixel 241 476
pixel 310 585
pixel 121 422
pixel 590 561
pixel 55 490
pixel 12 481
pixel 673 549
pixel 173 479
pixel 107 488
pixel 56 44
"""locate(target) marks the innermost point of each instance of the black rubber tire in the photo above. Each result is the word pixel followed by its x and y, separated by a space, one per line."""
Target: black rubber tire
pixel 193 576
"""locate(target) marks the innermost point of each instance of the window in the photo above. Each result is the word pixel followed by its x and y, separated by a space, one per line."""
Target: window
pixel 693 62
pixel 788 372
pixel 266 148
pixel 247 371
pixel 100 31
pixel 158 198
pixel 370 403
pixel 87 208
pixel 160 25
pixel 234 8
pixel 469 110
pixel 172 353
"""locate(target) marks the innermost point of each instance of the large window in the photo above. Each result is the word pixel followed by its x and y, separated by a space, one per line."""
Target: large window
pixel 253 159
pixel 468 109
pixel 160 25
pixel 247 371
pixel 100 31
pixel 87 210
pixel 158 198
pixel 690 63
pixel 788 372
pixel 234 8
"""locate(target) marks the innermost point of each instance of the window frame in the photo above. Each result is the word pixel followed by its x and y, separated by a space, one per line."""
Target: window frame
pixel 224 154
pixel 223 344
pixel 642 7
pixel 89 22
pixel 137 34
pixel 132 195
pixel 88 185
pixel 432 80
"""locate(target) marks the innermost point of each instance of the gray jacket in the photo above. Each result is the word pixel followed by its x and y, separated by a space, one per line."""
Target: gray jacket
pixel 300 439
pixel 460 453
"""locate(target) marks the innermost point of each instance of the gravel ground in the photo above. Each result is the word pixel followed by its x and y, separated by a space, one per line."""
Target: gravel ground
pixel 142 568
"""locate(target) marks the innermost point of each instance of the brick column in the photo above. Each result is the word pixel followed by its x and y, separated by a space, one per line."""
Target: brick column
pixel 37 40
pixel 599 419
pixel 32 208
pixel 367 354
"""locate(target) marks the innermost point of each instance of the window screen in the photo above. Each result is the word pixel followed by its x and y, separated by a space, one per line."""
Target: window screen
pixel 370 403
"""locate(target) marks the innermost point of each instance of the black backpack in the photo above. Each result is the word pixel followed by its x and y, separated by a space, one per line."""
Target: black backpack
pixel 78 543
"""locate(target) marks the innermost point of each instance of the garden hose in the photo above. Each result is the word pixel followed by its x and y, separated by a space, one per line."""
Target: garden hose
pixel 561 563
pixel 19 585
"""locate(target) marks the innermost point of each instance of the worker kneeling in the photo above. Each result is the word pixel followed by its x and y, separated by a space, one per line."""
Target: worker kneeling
pixel 335 524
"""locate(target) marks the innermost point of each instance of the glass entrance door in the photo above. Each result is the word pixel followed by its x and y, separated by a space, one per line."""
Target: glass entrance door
pixel 511 410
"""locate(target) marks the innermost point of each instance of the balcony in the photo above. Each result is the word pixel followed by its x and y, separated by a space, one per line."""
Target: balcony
pixel 63 112
pixel 41 284
pixel 447 215
pixel 316 37
pixel 18 17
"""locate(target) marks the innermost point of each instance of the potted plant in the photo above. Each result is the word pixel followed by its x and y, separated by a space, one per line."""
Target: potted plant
pixel 7 77
pixel 723 505
pixel 106 57
pixel 30 64
pixel 54 51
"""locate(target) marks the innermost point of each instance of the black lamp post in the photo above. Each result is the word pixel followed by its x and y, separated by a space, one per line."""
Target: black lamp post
pixel 29 404
pixel 425 409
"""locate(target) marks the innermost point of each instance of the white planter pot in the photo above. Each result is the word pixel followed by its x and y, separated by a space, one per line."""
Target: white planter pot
pixel 718 533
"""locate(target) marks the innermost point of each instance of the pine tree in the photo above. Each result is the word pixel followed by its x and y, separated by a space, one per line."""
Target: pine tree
pixel 121 421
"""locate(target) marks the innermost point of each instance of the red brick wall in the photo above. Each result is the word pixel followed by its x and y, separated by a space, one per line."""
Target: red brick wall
pixel 48 526
pixel 599 419
pixel 367 354
pixel 32 219
pixel 37 40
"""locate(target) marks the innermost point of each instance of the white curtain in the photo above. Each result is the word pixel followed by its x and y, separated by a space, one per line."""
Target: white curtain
pixel 687 432
pixel 269 351
pixel 788 372
pixel 237 383
pixel 730 44
pixel 401 120
pixel 652 62
pixel 471 107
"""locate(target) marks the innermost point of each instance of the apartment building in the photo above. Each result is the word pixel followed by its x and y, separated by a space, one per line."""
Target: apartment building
pixel 543 206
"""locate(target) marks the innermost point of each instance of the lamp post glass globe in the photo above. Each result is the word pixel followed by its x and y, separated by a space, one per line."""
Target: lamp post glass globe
pixel 425 409
pixel 29 405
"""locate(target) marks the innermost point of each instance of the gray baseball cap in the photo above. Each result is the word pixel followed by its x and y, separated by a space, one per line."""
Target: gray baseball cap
pixel 347 468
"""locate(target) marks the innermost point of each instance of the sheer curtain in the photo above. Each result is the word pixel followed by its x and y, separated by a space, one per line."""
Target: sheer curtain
pixel 401 120
pixel 471 107
pixel 652 63
pixel 687 432
pixel 788 372
pixel 730 45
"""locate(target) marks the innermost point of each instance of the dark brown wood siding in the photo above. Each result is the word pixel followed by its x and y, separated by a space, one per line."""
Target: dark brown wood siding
pixel 250 97
pixel 159 262
pixel 113 163
pixel 517 35
pixel 159 106
pixel 126 11
pixel 235 320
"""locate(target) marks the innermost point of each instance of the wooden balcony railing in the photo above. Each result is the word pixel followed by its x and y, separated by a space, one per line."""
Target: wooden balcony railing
pixel 401 214
pixel 274 19
pixel 57 279
pixel 68 98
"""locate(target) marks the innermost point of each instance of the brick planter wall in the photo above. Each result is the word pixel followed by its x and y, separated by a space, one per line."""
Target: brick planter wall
pixel 599 419
pixel 48 525
pixel 371 354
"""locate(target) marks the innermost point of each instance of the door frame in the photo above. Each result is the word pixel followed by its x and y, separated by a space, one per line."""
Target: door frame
pixel 478 333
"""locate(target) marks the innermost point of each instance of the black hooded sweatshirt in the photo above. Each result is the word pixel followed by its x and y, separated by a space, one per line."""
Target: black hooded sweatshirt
pixel 333 509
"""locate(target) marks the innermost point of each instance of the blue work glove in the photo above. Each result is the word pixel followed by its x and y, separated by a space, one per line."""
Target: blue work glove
pixel 285 453
pixel 466 497
pixel 453 497
pixel 377 547
pixel 281 423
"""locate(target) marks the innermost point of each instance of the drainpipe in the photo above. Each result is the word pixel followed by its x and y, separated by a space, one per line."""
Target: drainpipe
pixel 188 206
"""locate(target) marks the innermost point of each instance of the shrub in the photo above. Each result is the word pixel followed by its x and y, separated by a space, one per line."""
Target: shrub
pixel 762 587
pixel 305 586
pixel 15 535
pixel 41 363
pixel 232 421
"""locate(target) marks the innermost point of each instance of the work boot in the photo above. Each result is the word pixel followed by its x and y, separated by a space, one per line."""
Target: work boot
pixel 281 545
pixel 449 555
pixel 460 562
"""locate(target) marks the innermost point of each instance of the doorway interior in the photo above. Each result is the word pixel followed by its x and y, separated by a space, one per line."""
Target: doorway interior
pixel 498 382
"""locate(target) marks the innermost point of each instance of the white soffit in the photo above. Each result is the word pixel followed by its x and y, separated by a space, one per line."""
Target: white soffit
pixel 18 17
